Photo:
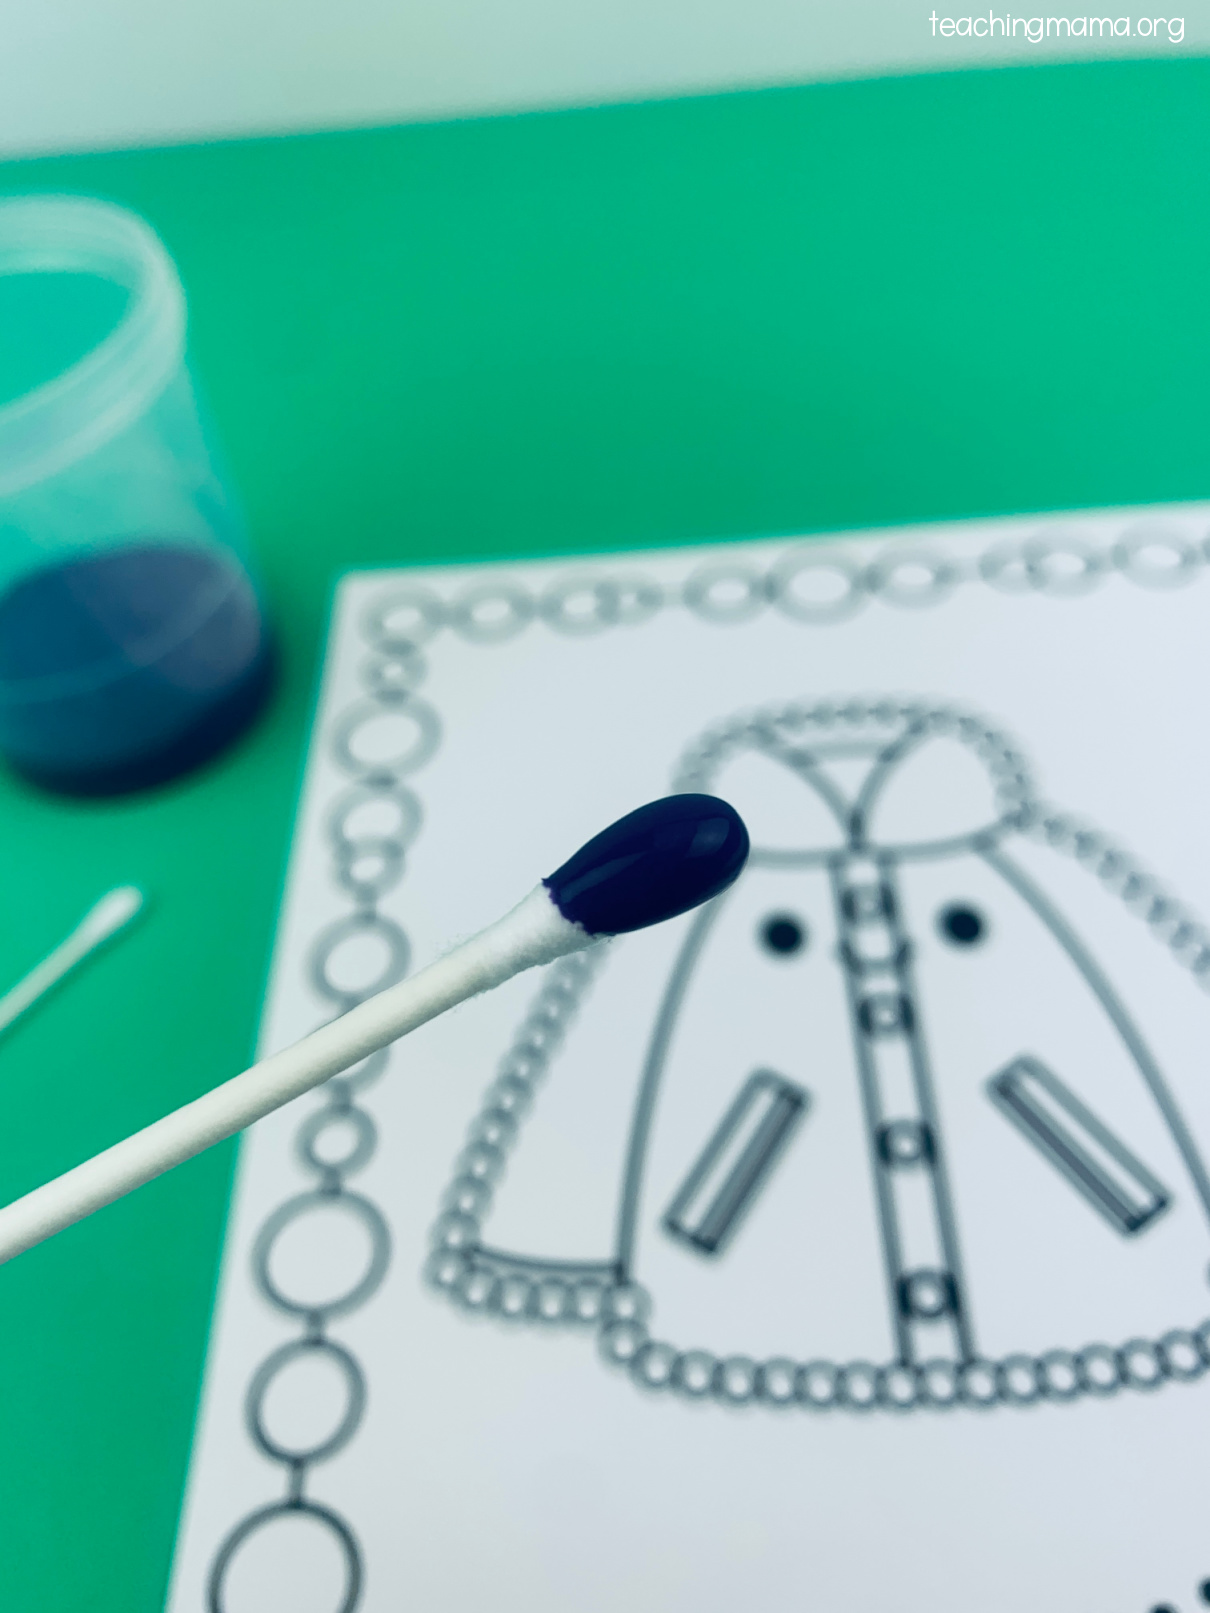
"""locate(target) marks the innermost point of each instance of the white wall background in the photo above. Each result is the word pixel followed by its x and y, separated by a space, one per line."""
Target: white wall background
pixel 87 74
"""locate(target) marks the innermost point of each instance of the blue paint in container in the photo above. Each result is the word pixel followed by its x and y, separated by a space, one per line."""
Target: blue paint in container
pixel 125 668
pixel 132 641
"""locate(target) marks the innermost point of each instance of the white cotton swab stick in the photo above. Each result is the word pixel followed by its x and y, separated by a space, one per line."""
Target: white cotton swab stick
pixel 111 914
pixel 657 862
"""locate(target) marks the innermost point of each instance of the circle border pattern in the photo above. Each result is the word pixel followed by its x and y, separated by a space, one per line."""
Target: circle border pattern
pixel 302 1204
pixel 255 1521
pixel 296 1350
pixel 340 1097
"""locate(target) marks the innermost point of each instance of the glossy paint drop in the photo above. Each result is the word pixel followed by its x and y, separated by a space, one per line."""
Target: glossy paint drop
pixel 667 857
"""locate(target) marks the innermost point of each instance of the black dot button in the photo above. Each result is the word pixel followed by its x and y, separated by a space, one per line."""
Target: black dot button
pixel 783 934
pixel 962 925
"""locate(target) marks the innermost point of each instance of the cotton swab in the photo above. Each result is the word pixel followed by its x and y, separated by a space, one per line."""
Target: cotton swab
pixel 111 914
pixel 651 865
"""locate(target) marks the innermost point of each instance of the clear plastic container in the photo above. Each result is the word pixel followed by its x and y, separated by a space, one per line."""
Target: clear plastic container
pixel 132 642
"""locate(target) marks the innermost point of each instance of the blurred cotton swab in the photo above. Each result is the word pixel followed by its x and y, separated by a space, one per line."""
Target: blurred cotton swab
pixel 111 914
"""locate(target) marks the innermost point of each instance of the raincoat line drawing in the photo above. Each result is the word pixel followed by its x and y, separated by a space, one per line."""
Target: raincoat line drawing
pixel 931 1186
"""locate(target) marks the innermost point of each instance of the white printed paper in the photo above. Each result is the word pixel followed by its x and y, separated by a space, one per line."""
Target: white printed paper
pixel 843 1246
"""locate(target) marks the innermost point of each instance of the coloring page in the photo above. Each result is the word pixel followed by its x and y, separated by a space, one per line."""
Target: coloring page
pixel 843 1245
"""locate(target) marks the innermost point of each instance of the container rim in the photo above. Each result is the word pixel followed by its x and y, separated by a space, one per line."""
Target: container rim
pixel 76 412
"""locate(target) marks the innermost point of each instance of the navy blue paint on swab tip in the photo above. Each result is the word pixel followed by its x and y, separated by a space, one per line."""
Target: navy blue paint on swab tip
pixel 652 864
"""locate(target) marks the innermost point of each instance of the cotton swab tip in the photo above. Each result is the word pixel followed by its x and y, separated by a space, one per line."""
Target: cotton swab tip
pixel 663 859
pixel 114 910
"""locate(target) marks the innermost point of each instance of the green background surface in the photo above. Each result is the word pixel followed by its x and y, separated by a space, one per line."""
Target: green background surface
pixel 762 313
